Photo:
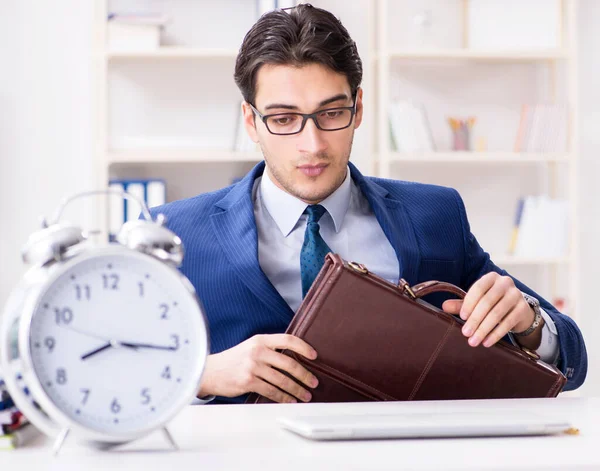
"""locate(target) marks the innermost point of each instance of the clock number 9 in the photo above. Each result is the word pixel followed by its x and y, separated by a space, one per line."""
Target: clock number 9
pixel 64 316
pixel 50 343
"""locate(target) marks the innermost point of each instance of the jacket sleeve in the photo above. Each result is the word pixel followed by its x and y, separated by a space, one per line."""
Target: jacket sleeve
pixel 573 355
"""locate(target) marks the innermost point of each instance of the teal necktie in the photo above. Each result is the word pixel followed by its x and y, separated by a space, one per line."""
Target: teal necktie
pixel 314 248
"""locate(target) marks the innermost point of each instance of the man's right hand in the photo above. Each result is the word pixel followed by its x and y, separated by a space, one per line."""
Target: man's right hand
pixel 251 367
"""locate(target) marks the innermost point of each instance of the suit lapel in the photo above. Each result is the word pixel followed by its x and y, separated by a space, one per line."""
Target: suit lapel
pixel 396 224
pixel 235 229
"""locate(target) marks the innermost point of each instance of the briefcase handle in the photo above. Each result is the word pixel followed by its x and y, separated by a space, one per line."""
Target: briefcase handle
pixel 414 292
pixel 428 287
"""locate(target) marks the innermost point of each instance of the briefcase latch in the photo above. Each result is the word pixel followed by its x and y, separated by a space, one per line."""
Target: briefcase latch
pixel 531 353
pixel 359 267
pixel 403 284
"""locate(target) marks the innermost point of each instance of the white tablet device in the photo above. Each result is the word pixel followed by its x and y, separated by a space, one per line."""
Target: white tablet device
pixel 421 425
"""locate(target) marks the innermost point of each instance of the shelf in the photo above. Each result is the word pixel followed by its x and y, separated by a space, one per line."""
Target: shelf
pixel 466 54
pixel 174 52
pixel 478 157
pixel 141 156
pixel 508 260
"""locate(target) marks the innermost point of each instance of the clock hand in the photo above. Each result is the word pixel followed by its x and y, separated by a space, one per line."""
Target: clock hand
pixel 147 345
pixel 106 346
pixel 89 334
pixel 97 350
pixel 110 342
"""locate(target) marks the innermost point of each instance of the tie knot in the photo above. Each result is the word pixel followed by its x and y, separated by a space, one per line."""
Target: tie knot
pixel 315 212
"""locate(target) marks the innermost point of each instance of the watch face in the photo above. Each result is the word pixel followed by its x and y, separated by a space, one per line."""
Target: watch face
pixel 118 342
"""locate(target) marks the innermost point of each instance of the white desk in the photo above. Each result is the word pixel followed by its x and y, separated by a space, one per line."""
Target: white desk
pixel 246 437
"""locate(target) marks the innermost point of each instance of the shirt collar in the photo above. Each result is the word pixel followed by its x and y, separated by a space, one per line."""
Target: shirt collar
pixel 286 209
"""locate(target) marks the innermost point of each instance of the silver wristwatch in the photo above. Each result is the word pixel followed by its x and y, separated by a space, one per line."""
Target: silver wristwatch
pixel 537 320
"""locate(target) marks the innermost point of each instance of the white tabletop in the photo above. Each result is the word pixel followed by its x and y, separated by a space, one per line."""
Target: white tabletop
pixel 247 437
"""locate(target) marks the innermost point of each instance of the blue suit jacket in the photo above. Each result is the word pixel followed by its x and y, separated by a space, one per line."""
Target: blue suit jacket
pixel 426 225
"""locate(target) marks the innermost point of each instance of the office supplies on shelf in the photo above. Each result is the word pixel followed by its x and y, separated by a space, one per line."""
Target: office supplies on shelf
pixel 461 133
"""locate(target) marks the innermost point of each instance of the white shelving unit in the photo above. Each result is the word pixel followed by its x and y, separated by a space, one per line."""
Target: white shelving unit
pixel 555 171
pixel 474 55
pixel 478 157
pixel 381 58
pixel 152 156
pixel 173 52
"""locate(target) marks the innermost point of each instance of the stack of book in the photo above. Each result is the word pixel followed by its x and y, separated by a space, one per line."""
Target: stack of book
pixel 15 429
pixel 542 128
pixel 151 191
pixel 410 128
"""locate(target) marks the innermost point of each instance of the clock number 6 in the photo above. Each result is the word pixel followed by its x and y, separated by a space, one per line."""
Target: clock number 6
pixel 115 406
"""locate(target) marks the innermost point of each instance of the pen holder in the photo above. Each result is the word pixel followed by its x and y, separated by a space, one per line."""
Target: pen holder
pixel 461 133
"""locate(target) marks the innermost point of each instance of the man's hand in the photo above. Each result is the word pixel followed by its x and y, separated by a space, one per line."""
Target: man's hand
pixel 492 307
pixel 250 367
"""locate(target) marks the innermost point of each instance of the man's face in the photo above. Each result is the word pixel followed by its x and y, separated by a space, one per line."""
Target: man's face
pixel 312 164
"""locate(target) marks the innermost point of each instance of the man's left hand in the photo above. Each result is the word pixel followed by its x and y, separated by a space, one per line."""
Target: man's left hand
pixel 492 307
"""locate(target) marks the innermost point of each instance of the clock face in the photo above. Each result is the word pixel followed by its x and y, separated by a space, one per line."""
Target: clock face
pixel 117 341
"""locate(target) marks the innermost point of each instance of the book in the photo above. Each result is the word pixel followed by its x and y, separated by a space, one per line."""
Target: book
pixel 543 227
pixel 151 191
pixel 410 127
pixel 542 128
pixel 18 438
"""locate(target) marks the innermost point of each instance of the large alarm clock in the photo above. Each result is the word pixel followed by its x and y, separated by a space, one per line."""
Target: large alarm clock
pixel 108 341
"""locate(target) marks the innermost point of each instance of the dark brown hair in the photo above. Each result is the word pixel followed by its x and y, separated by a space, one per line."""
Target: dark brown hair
pixel 304 35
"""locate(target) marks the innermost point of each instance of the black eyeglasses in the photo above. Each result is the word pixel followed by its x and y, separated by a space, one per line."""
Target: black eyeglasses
pixel 285 124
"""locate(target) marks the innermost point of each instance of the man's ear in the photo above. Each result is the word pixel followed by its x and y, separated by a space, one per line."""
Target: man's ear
pixel 359 108
pixel 249 121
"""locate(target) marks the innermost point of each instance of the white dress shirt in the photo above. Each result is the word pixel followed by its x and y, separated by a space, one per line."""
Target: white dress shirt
pixel 349 228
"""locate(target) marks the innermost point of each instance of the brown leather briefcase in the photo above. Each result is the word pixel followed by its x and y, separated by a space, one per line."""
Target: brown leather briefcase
pixel 380 342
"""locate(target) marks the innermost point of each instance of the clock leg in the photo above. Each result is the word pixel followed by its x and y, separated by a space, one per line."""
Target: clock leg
pixel 169 438
pixel 60 440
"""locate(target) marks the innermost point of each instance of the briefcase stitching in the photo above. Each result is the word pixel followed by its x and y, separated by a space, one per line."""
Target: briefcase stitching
pixel 430 362
pixel 340 376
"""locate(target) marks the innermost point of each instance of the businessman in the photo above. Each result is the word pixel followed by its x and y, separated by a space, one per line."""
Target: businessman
pixel 253 249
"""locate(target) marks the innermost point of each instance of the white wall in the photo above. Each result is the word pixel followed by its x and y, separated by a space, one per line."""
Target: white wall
pixel 589 193
pixel 46 132
pixel 45 118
